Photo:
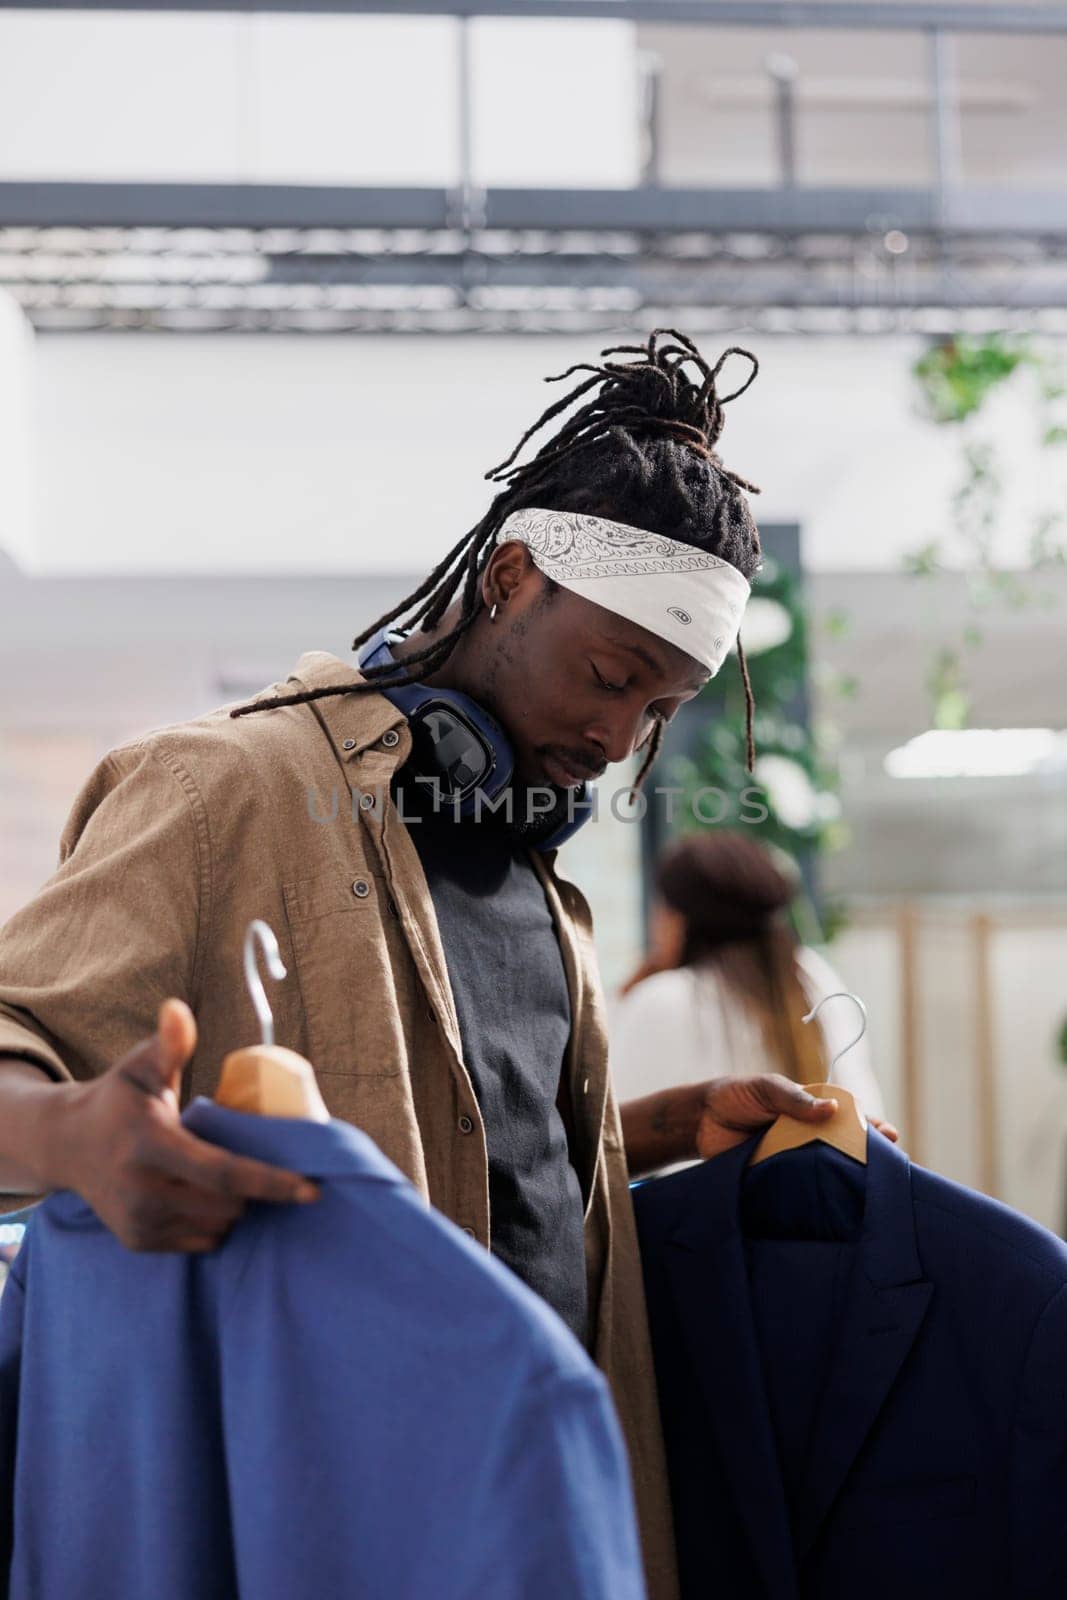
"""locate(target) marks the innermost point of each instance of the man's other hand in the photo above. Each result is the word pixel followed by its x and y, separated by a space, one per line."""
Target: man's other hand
pixel 735 1108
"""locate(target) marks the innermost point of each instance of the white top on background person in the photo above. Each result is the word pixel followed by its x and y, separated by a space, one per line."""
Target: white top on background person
pixel 676 1026
pixel 726 984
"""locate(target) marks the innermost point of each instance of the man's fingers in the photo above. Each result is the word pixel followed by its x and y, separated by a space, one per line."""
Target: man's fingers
pixel 201 1208
pixel 207 1167
pixel 887 1129
pixel 182 1240
pixel 164 1212
pixel 786 1098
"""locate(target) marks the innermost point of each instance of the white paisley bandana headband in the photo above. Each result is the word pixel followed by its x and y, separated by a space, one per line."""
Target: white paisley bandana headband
pixel 686 596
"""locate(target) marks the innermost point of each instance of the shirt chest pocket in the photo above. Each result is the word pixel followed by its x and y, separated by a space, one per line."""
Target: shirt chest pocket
pixel 345 965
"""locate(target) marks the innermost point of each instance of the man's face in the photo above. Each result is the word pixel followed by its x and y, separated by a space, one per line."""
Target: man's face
pixel 575 686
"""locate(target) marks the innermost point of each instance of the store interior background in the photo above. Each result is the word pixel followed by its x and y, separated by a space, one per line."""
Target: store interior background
pixel 199 483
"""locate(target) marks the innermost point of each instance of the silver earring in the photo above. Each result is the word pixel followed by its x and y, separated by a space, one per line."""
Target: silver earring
pixel 492 613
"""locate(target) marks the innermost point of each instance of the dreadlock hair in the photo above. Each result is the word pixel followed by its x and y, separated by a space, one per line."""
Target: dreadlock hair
pixel 640 451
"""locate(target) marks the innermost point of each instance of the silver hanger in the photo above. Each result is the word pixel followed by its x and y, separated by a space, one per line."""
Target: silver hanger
pixel 840 994
pixel 260 932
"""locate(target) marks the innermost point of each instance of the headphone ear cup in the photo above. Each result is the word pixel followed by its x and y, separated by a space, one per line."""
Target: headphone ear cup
pixel 460 748
pixel 453 737
pixel 456 741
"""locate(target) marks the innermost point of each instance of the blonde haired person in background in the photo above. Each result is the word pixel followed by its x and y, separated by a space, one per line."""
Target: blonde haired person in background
pixel 725 984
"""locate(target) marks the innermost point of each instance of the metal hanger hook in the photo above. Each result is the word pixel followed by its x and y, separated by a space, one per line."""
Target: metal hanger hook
pixel 260 932
pixel 840 994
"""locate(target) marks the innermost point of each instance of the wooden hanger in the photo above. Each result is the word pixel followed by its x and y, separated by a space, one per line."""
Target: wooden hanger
pixel 266 1079
pixel 846 1130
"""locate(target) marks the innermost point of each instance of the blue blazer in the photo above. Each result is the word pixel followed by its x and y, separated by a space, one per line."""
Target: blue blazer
pixel 345 1401
pixel 936 1462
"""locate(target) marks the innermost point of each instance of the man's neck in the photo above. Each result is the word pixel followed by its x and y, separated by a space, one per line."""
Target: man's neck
pixel 455 673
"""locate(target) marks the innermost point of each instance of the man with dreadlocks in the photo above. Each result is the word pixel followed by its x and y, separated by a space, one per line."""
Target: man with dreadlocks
pixel 445 987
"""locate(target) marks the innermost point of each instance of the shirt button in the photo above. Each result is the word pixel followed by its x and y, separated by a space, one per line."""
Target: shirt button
pixel 361 888
pixel 390 738
pixel 349 744
pixel 470 1233
pixel 366 802
pixel 466 1125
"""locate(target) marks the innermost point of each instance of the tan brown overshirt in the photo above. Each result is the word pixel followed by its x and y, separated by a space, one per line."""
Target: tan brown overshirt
pixel 180 838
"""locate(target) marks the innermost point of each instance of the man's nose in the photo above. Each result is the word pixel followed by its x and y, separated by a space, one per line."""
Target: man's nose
pixel 620 735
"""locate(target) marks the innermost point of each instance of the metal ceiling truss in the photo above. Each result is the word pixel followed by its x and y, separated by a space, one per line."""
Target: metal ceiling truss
pixel 534 279
pixel 262 256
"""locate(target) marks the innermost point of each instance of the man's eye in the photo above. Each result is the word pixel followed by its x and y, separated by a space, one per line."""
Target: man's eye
pixel 614 688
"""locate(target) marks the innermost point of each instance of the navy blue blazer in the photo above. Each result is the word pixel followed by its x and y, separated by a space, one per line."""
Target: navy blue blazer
pixel 936 1463
pixel 345 1401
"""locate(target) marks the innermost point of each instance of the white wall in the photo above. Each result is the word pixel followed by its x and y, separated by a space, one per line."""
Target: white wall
pixel 554 103
pixel 367 454
pixel 16 434
pixel 313 99
pixel 372 99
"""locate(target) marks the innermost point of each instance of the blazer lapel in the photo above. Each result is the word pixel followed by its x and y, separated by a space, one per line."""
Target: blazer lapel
pixel 715 1314
pixel 887 1301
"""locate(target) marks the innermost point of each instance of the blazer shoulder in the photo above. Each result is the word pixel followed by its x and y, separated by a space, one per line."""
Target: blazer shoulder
pixel 949 1206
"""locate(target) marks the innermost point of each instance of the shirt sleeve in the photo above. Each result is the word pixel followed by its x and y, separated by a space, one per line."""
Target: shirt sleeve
pixel 116 929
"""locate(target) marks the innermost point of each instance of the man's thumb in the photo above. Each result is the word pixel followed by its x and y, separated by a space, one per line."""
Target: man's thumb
pixel 176 1028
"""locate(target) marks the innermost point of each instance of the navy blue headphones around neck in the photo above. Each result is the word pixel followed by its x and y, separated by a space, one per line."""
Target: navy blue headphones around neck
pixel 465 750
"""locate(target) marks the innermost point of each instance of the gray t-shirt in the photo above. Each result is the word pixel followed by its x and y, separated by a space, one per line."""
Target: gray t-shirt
pixel 510 988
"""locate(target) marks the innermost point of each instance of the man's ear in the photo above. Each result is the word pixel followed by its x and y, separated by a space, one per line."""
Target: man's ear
pixel 509 574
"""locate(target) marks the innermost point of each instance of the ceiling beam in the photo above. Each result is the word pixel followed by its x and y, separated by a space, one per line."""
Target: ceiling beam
pixel 218 205
pixel 788 212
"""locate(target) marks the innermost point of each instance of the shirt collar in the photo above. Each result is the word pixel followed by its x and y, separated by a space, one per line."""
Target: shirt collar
pixel 353 722
pixel 314 1149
